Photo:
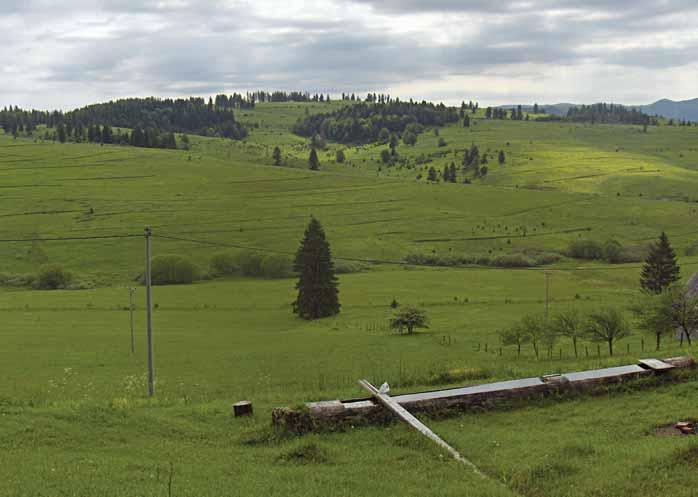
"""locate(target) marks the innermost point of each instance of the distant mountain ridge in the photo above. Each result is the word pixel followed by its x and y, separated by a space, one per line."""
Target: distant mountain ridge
pixel 672 109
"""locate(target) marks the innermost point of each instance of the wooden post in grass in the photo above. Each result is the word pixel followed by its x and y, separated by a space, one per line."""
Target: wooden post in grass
pixel 548 274
pixel 130 312
pixel 642 344
pixel 149 307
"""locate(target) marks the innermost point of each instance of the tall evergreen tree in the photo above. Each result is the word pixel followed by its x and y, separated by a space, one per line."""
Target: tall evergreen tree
pixel 318 295
pixel 502 157
pixel 61 133
pixel 276 155
pixel 431 174
pixel 661 269
pixel 313 161
pixel 446 175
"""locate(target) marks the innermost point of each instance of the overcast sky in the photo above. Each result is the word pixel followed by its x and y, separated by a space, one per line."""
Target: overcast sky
pixel 74 52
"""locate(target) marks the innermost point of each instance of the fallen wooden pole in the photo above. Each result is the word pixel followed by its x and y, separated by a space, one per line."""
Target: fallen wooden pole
pixel 408 418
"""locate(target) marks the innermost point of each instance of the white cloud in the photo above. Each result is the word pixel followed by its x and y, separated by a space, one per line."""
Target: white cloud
pixel 75 52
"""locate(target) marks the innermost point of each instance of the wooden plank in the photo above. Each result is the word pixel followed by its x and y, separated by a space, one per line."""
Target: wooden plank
pixel 408 418
pixel 656 364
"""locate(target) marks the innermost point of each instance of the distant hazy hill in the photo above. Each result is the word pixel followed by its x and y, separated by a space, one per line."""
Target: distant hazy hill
pixel 684 109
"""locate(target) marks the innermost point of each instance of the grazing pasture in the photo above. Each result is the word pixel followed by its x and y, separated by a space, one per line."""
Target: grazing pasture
pixel 74 414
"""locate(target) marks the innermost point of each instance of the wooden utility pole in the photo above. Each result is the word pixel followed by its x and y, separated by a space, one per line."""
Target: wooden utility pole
pixel 408 418
pixel 149 307
pixel 548 274
pixel 131 291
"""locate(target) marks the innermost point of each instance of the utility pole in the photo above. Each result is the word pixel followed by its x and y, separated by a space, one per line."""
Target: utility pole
pixel 548 274
pixel 149 307
pixel 131 291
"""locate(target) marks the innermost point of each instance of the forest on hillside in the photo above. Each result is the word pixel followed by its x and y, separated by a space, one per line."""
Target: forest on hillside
pixel 603 113
pixel 192 115
pixel 365 122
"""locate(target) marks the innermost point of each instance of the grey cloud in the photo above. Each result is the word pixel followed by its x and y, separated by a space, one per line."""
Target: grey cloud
pixel 209 46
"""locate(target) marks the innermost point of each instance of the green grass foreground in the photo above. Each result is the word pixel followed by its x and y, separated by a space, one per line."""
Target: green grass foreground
pixel 74 416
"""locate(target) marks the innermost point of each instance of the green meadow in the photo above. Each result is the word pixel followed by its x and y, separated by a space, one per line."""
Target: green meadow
pixel 74 415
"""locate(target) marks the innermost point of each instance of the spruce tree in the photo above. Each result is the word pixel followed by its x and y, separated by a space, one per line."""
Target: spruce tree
pixel 61 133
pixel 661 269
pixel 318 295
pixel 446 175
pixel 452 172
pixel 276 155
pixel 431 174
pixel 313 161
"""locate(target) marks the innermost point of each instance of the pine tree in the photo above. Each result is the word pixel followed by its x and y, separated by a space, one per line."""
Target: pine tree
pixel 661 269
pixel 502 157
pixel 276 155
pixel 61 133
pixel 446 175
pixel 452 172
pixel 431 174
pixel 318 295
pixel 313 161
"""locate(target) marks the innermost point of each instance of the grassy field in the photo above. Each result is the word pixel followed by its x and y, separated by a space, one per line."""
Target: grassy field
pixel 74 417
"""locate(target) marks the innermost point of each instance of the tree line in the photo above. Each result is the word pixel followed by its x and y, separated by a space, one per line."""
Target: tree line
pixel 365 122
pixel 137 137
pixel 193 115
pixel 663 308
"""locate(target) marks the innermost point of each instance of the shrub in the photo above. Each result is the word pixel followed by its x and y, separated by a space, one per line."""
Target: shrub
pixel 545 258
pixel 692 249
pixel 512 260
pixel 318 142
pixel 339 156
pixel 442 142
pixel 173 270
pixel 409 138
pixel 18 280
pixel 585 249
pixel 224 264
pixel 346 267
pixel 613 251
pixel 385 156
pixel 276 267
pixel 250 263
pixel 53 277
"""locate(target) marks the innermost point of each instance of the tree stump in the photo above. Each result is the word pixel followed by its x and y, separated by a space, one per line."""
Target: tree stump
pixel 242 408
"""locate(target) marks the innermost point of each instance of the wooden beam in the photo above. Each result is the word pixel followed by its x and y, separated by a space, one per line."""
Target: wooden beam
pixel 408 418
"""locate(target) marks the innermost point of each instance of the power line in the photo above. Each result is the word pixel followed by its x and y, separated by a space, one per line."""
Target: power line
pixel 67 238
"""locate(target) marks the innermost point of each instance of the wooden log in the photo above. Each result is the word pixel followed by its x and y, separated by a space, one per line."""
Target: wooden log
pixel 242 408
pixel 655 364
pixel 408 418
pixel 681 362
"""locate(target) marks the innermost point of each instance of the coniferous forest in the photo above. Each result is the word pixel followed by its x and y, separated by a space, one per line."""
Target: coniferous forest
pixel 364 122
